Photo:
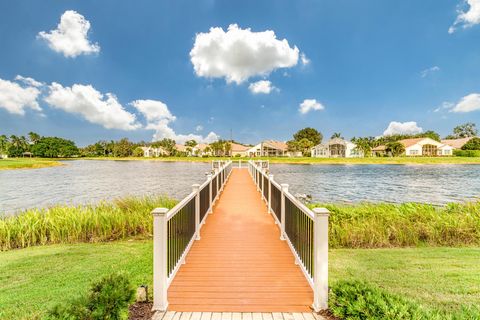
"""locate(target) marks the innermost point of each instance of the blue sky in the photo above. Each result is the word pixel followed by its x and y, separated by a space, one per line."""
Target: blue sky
pixel 368 63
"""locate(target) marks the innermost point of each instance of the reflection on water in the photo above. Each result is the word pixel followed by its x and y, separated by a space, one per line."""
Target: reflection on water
pixel 88 181
pixel 436 184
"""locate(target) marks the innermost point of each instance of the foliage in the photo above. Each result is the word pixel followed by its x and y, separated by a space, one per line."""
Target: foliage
pixel 137 152
pixel 168 145
pixel 376 225
pixel 465 130
pixel 17 146
pixel 54 147
pixel 191 143
pixel 123 148
pixel 221 148
pixel 108 299
pixel 395 148
pixel 472 144
pixel 105 221
pixel 310 134
pixel 336 135
pixel 467 153
pixel 358 300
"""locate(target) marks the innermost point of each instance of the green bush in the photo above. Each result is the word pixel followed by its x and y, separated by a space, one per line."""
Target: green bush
pixel 466 153
pixel 357 300
pixel 108 299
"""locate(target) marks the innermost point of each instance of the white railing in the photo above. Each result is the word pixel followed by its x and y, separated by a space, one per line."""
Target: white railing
pixel 175 230
pixel 305 230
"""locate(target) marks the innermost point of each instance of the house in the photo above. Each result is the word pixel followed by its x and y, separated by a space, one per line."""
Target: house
pixel 238 150
pixel 153 152
pixel 336 148
pixel 456 144
pixel 426 147
pixel 271 148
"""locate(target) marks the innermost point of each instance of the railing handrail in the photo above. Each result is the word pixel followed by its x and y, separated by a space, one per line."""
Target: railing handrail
pixel 300 205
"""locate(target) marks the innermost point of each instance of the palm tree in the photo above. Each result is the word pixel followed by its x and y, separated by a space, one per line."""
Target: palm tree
pixel 33 137
pixel 336 135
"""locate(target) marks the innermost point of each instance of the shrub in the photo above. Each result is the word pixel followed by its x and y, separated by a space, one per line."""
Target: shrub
pixel 472 144
pixel 108 299
pixel 466 153
pixel 357 300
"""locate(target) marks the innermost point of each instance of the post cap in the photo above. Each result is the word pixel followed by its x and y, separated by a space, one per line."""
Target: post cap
pixel 270 176
pixel 321 211
pixel 195 187
pixel 284 185
pixel 160 211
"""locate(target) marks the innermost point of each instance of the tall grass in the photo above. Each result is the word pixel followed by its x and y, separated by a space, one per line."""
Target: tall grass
pixel 372 225
pixel 106 221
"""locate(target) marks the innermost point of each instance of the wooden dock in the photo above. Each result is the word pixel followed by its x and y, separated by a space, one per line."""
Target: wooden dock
pixel 240 264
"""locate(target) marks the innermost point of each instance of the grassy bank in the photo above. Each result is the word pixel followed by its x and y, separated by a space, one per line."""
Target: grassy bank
pixel 309 160
pixel 27 163
pixel 370 225
pixel 106 221
pixel 35 279
pixel 358 226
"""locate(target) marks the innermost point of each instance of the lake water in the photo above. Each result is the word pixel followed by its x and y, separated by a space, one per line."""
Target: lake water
pixel 89 181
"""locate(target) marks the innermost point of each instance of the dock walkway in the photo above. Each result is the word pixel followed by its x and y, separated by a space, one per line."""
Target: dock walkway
pixel 240 264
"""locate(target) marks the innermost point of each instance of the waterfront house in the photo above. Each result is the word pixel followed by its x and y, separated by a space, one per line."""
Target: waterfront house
pixel 415 147
pixel 456 144
pixel 238 150
pixel 153 152
pixel 336 148
pixel 271 148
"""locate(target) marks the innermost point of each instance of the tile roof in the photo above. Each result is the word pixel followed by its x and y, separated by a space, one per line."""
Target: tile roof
pixel 456 143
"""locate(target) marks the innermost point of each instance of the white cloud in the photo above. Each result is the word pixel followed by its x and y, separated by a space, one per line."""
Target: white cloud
pixel 262 86
pixel 427 72
pixel 199 128
pixel 159 119
pixel 239 54
pixel 15 99
pixel 309 105
pixel 71 36
pixel 444 106
pixel 29 81
pixel 92 105
pixel 304 59
pixel 468 103
pixel 395 127
pixel 469 18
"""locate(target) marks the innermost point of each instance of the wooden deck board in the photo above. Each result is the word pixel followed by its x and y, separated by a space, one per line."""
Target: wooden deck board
pixel 240 264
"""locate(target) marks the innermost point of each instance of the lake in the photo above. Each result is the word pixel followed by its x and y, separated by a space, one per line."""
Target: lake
pixel 89 181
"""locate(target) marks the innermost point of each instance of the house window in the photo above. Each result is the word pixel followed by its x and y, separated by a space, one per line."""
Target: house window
pixel 413 152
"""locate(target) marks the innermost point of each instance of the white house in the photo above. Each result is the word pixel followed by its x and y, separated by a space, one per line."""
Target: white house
pixel 153 152
pixel 426 147
pixel 271 148
pixel 336 148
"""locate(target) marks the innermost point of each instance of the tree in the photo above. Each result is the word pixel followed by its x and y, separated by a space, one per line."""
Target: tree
pixel 365 145
pixel 4 144
pixel 336 135
pixel 465 130
pixel 191 143
pixel 54 147
pixel 18 146
pixel 310 134
pixel 123 148
pixel 305 146
pixel 293 146
pixel 395 148
pixel 138 152
pixel 472 144
pixel 430 134
pixel 168 145
pixel 33 137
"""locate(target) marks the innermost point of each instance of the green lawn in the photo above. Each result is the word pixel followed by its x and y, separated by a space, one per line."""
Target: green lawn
pixel 308 160
pixel 34 279
pixel 26 163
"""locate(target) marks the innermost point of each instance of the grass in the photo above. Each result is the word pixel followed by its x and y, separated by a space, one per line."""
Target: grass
pixel 376 225
pixel 27 163
pixel 34 279
pixel 309 160
pixel 106 221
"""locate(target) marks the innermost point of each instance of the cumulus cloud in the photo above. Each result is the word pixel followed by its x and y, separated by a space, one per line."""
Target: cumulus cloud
pixel 468 103
pixel 159 119
pixel 29 81
pixel 310 105
pixel 395 127
pixel 468 18
pixel 262 86
pixel 92 105
pixel 428 71
pixel 71 36
pixel 16 98
pixel 239 54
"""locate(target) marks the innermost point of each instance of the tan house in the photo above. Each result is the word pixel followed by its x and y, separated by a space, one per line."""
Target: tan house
pixel 271 148
pixel 426 147
pixel 238 150
pixel 456 144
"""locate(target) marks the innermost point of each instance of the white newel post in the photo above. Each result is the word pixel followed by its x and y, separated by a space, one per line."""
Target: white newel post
pixel 196 189
pixel 270 179
pixel 160 276
pixel 320 262
pixel 263 184
pixel 282 216
pixel 209 178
